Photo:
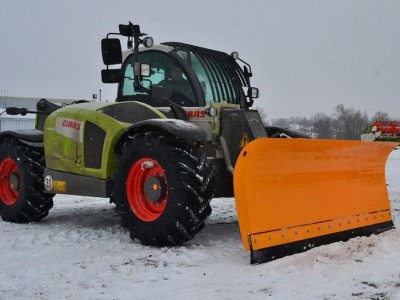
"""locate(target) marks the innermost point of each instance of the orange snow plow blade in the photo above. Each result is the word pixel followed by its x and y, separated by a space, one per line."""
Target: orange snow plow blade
pixel 295 194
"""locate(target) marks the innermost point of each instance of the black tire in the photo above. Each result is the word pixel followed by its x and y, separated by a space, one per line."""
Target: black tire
pixel 21 198
pixel 188 185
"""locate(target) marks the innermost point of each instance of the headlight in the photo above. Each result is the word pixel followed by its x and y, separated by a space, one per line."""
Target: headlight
pixel 148 42
pixel 235 55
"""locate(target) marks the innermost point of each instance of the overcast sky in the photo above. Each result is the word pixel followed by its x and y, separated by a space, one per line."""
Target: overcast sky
pixel 307 56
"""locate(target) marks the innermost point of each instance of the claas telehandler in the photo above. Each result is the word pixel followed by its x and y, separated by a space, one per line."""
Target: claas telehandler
pixel 180 133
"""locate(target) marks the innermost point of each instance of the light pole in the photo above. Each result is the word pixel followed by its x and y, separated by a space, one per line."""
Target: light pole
pixel 2 98
pixel 95 96
pixel 1 119
pixel 3 105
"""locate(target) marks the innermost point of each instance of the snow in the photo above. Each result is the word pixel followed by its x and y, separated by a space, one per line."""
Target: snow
pixel 81 251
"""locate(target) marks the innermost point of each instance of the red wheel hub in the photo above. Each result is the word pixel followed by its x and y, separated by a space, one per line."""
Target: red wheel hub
pixel 147 189
pixel 9 181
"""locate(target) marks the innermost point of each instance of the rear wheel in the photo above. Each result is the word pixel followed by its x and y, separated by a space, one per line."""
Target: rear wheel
pixel 21 183
pixel 163 188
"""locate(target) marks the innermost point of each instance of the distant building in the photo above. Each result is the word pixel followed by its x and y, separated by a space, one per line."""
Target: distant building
pixel 8 122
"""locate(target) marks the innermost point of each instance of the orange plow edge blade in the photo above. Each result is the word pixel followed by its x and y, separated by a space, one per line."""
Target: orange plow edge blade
pixel 295 194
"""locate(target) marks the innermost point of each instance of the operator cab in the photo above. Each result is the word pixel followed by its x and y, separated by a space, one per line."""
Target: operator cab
pixel 186 75
pixel 166 72
pixel 191 77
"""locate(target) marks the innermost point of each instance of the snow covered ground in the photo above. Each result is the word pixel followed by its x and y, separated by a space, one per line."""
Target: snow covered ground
pixel 80 252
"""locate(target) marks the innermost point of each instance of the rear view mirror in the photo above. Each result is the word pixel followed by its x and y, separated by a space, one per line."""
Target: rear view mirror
pixel 111 51
pixel 129 30
pixel 143 70
pixel 112 76
pixel 253 92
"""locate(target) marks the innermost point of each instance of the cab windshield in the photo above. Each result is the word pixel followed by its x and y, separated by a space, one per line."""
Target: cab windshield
pixel 166 73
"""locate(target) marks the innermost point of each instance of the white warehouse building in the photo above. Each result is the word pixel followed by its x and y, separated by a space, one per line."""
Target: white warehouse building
pixel 8 122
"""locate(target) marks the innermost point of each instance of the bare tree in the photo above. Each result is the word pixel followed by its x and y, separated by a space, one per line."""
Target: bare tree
pixel 301 124
pixel 281 122
pixel 381 116
pixel 323 126
pixel 347 123
pixel 350 123
pixel 3 103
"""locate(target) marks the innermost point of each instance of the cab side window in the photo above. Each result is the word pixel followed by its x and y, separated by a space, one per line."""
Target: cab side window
pixel 216 77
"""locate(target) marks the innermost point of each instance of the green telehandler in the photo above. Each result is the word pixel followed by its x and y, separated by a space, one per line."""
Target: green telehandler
pixel 180 133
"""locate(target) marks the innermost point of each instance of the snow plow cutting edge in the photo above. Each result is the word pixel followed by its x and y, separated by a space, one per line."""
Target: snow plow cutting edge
pixel 296 194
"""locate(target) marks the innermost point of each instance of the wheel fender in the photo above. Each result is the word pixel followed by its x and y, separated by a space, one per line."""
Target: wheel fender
pixel 179 128
pixel 33 138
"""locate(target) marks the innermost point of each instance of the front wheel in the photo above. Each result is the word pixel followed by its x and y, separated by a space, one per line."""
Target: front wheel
pixel 163 188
